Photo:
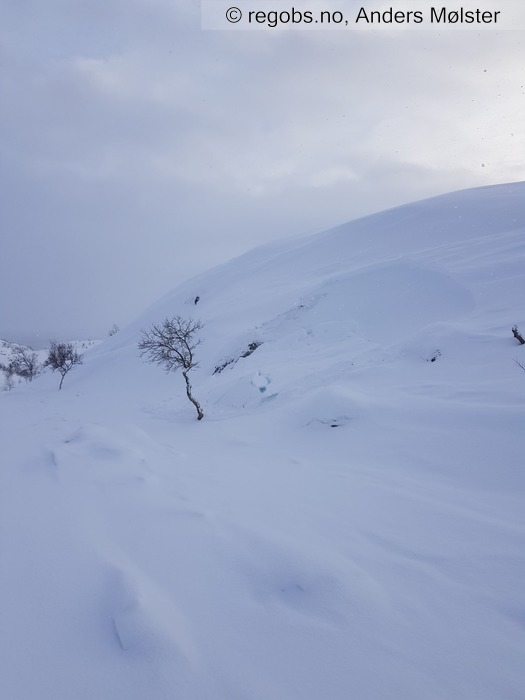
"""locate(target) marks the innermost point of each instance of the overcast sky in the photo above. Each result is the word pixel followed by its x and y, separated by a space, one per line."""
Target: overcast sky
pixel 137 150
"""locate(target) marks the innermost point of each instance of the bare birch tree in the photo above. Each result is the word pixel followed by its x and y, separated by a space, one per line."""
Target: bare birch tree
pixel 62 357
pixel 172 345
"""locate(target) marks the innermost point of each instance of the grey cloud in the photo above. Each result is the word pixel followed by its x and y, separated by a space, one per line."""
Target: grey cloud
pixel 136 150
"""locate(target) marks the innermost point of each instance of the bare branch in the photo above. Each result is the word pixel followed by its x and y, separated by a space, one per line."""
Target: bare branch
pixel 62 358
pixel 172 345
pixel 24 363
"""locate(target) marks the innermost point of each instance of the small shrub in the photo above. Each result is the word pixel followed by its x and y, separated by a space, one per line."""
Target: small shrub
pixel 434 356
pixel 62 357
pixel 9 379
pixel 24 363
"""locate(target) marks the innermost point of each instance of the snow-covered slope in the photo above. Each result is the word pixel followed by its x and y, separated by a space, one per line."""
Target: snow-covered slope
pixel 348 519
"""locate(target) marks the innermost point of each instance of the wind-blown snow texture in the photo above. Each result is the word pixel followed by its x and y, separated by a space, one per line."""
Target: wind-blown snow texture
pixel 346 522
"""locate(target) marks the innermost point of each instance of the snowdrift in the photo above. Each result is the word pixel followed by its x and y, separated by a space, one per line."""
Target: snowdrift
pixel 346 522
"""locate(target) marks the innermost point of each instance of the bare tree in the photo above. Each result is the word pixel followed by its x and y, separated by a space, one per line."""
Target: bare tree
pixel 62 357
pixel 24 363
pixel 172 345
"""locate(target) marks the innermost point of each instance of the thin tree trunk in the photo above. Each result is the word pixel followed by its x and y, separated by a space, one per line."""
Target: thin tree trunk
pixel 200 414
pixel 61 380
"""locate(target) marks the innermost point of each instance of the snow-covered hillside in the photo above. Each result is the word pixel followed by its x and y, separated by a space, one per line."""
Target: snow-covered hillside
pixel 348 520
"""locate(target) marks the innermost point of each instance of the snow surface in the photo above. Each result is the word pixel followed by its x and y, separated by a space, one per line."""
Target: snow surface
pixel 348 519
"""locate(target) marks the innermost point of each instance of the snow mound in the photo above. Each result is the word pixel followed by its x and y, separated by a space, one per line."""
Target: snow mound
pixel 352 500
